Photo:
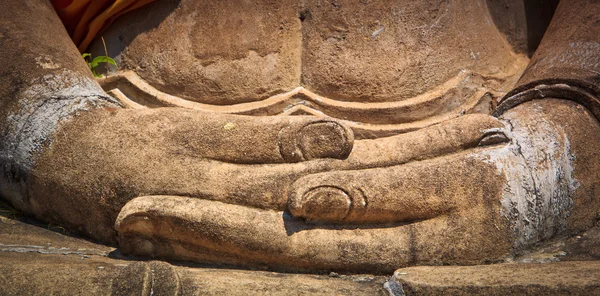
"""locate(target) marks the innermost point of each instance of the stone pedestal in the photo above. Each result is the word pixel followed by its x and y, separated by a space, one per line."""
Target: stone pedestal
pixel 37 259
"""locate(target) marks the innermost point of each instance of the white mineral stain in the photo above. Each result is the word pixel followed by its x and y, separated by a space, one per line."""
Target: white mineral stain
pixel 50 99
pixel 537 164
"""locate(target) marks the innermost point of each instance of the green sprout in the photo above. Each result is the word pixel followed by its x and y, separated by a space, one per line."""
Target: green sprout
pixel 93 63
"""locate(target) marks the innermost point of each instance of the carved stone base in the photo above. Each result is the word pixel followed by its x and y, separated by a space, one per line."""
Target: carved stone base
pixel 37 261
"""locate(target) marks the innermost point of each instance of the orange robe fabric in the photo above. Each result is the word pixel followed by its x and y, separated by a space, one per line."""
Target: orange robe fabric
pixel 85 19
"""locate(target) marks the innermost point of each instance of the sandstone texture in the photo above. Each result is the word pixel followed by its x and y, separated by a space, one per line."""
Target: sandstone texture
pixel 38 261
pixel 310 137
pixel 564 278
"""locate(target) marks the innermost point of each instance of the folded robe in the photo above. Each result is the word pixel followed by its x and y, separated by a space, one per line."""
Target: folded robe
pixel 85 19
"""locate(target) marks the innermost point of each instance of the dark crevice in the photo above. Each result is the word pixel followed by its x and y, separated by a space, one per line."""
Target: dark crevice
pixel 305 15
pixel 538 14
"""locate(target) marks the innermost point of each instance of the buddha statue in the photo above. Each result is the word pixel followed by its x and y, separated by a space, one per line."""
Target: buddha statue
pixel 359 136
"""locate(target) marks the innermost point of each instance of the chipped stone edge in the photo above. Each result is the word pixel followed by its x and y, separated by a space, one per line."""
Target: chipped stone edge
pixel 394 286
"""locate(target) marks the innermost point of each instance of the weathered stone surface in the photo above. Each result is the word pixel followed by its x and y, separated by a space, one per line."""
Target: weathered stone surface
pixel 384 51
pixel 564 278
pixel 20 237
pixel 407 64
pixel 298 193
pixel 37 274
pixel 450 222
pixel 353 51
pixel 37 261
pixel 54 263
pixel 584 246
pixel 211 51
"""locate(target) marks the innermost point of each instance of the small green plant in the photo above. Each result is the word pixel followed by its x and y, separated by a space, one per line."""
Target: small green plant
pixel 93 63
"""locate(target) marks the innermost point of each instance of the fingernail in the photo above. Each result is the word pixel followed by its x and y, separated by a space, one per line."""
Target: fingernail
pixel 323 203
pixel 321 139
pixel 493 137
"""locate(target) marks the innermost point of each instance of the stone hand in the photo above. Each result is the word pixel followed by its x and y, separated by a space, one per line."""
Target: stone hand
pixel 277 191
pixel 71 156
pixel 454 203
pixel 100 159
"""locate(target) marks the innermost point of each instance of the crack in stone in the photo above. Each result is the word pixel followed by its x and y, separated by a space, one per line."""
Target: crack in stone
pixel 49 250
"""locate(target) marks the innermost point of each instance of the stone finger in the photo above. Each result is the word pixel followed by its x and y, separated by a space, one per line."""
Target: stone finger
pixel 451 136
pixel 402 193
pixel 213 232
pixel 249 139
